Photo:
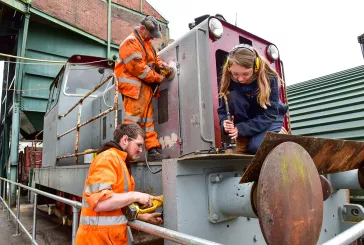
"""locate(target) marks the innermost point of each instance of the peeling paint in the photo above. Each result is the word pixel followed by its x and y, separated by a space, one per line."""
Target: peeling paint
pixel 195 121
pixel 168 140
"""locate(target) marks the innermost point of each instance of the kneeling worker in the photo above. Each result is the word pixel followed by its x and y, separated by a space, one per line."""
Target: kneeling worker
pixel 109 187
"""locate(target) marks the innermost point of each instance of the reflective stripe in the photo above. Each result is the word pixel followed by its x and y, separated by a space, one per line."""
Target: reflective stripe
pixel 145 73
pixel 138 119
pixel 84 203
pixel 149 129
pixel 132 118
pixel 126 185
pixel 103 220
pixel 149 119
pixel 127 80
pixel 131 57
pixel 97 187
pixel 119 60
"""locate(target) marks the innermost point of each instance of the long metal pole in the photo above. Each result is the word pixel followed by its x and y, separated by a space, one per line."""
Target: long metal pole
pixel 74 224
pixel 9 197
pixel 4 195
pixel 108 29
pixel 348 236
pixel 78 129
pixel 46 194
pixel 15 128
pixel 35 217
pixel 211 141
pixel 17 213
pixel 116 100
pixel 170 235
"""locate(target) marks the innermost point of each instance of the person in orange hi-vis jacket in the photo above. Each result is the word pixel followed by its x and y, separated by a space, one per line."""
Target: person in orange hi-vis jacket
pixel 109 187
pixel 137 71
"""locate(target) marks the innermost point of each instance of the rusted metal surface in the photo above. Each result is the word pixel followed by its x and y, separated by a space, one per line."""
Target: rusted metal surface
pixel 86 122
pixel 79 124
pixel 116 99
pixel 289 204
pixel 78 130
pixel 77 154
pixel 330 156
pixel 87 95
pixel 326 187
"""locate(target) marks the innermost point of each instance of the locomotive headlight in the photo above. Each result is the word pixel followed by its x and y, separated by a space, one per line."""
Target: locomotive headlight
pixel 273 52
pixel 216 28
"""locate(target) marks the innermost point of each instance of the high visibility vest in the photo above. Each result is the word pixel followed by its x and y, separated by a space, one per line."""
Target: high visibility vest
pixel 107 174
pixel 134 65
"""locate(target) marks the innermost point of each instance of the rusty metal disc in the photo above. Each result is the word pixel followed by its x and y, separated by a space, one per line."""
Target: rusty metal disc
pixel 289 197
pixel 326 187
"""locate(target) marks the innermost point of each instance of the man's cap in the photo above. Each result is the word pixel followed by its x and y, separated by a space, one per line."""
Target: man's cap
pixel 152 26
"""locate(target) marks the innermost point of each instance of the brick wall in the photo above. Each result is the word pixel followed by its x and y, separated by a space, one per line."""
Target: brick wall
pixel 135 5
pixel 123 23
pixel 91 16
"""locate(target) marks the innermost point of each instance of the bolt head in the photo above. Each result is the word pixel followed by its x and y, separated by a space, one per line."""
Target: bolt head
pixel 215 179
pixel 215 216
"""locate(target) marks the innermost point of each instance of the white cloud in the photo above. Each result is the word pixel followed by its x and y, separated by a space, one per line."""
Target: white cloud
pixel 315 38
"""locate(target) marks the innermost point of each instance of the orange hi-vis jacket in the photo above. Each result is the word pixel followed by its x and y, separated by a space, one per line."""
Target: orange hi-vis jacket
pixel 108 174
pixel 134 65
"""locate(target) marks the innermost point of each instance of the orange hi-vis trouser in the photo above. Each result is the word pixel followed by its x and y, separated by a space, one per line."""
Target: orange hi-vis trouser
pixel 136 111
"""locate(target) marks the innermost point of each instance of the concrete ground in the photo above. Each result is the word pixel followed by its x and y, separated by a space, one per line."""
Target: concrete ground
pixel 48 230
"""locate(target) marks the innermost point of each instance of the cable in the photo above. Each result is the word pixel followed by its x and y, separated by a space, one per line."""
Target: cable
pixel 103 94
pixel 25 90
pixel 24 58
pixel 40 61
pixel 200 152
pixel 31 63
pixel 145 125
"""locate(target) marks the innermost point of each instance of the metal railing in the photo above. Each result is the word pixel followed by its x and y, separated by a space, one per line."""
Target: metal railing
pixel 347 237
pixel 79 124
pixel 76 206
pixel 155 230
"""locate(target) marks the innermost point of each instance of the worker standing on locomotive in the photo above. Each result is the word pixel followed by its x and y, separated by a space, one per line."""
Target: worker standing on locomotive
pixel 109 187
pixel 140 70
pixel 251 88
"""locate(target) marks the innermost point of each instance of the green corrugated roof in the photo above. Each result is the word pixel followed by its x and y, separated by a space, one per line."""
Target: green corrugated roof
pixel 331 106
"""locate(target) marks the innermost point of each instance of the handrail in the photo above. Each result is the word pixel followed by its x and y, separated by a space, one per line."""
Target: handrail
pixel 211 141
pixel 79 124
pixel 76 206
pixel 161 232
pixel 170 235
pixel 348 236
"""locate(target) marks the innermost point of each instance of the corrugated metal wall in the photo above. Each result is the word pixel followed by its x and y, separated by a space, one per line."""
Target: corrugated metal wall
pixel 331 106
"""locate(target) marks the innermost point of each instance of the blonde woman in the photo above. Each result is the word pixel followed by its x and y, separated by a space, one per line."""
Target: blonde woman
pixel 250 88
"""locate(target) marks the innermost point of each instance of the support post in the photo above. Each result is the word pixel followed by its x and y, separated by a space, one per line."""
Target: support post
pixel 108 28
pixel 74 224
pixel 9 200
pixel 35 217
pixel 15 128
pixel 17 212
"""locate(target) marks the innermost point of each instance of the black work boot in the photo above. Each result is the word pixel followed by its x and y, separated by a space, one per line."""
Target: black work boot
pixel 154 155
